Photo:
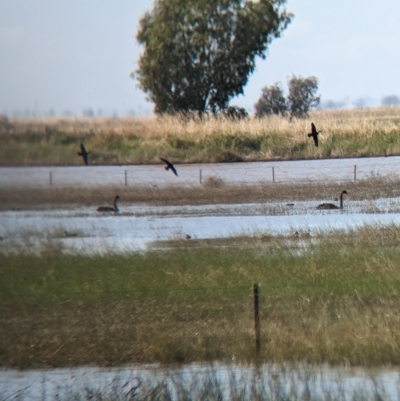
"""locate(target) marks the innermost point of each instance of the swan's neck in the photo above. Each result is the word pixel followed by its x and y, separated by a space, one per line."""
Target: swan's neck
pixel 115 205
pixel 341 201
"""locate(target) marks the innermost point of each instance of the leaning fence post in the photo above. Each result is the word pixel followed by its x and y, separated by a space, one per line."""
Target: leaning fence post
pixel 273 174
pixel 355 172
pixel 256 318
pixel 51 178
pixel 126 177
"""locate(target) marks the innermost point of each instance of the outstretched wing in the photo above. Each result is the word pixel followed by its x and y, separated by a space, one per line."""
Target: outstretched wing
pixel 315 137
pixel 169 166
pixel 166 162
pixel 84 154
pixel 313 129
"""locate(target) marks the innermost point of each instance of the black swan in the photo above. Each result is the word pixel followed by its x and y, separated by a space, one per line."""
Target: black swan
pixel 324 206
pixel 84 154
pixel 314 134
pixel 169 165
pixel 109 208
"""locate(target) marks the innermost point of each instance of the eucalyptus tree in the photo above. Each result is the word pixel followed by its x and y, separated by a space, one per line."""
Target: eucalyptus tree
pixel 198 54
pixel 302 95
pixel 271 102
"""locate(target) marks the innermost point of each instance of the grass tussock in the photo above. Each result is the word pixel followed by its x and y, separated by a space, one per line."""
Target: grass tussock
pixel 331 298
pixel 139 140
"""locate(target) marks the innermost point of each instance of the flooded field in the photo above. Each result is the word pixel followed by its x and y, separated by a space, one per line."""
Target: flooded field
pixel 193 174
pixel 217 381
pixel 140 226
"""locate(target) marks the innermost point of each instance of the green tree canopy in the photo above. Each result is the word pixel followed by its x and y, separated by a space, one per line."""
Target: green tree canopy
pixel 198 54
pixel 302 95
pixel 272 101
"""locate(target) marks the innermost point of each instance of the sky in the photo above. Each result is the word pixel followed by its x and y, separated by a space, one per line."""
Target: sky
pixel 71 56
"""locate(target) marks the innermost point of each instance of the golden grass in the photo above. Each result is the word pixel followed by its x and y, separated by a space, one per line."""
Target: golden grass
pixel 141 140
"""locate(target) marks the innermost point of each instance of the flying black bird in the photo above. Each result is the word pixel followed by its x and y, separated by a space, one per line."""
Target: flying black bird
pixel 314 134
pixel 84 154
pixel 109 208
pixel 169 165
pixel 324 206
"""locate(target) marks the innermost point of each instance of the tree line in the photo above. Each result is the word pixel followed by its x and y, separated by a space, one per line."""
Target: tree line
pixel 198 54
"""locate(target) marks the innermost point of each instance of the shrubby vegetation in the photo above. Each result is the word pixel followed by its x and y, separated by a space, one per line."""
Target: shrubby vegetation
pixel 302 97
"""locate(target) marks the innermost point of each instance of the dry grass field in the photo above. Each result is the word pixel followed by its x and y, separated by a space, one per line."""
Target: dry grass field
pixel 141 140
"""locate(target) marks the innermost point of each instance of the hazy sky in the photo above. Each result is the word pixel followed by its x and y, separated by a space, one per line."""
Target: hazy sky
pixel 78 54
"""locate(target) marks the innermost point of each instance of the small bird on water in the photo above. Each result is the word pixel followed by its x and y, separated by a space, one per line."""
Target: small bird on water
pixel 314 134
pixel 84 154
pixel 169 165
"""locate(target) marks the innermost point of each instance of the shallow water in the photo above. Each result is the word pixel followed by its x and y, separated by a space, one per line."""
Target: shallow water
pixel 136 228
pixel 189 174
pixel 296 381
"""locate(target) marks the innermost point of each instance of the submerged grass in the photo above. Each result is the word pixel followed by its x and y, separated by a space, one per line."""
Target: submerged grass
pixel 139 140
pixel 332 298
pixel 218 382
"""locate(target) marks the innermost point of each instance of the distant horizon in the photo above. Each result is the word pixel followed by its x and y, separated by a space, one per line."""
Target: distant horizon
pixel 131 113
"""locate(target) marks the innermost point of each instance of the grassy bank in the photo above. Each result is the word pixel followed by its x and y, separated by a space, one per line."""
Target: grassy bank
pixel 138 140
pixel 331 298
pixel 213 191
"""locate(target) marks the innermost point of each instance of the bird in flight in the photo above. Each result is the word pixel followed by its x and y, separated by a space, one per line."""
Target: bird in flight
pixel 169 165
pixel 84 154
pixel 314 134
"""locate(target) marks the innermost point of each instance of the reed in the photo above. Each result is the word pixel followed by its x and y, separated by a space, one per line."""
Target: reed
pixel 139 140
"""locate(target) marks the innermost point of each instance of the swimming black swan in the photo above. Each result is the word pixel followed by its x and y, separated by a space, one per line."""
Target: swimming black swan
pixel 109 208
pixel 314 134
pixel 84 154
pixel 169 165
pixel 324 206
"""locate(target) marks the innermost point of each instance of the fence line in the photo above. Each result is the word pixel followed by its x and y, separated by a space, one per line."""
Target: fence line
pixel 273 172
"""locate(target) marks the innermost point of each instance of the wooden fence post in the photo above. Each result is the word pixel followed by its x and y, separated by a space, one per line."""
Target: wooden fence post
pixel 273 174
pixel 200 176
pixel 355 172
pixel 51 178
pixel 126 177
pixel 256 318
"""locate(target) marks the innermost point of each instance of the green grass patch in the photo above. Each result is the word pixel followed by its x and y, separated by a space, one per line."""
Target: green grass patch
pixel 329 298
